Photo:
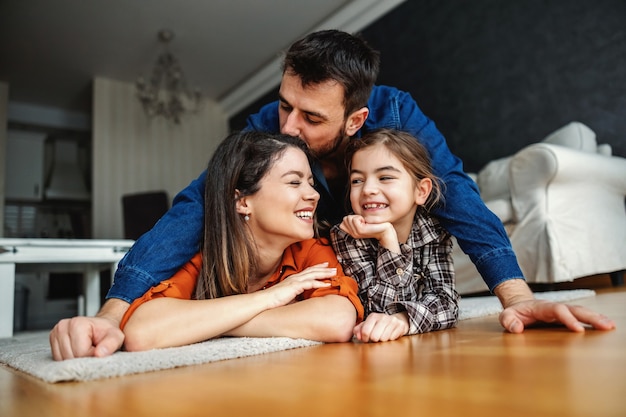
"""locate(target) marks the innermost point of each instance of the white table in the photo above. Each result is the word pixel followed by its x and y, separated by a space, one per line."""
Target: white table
pixel 89 256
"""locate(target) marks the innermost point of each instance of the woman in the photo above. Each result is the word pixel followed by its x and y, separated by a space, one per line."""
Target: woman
pixel 260 272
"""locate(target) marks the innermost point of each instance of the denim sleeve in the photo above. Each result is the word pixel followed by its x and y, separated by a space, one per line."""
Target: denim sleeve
pixel 266 120
pixel 479 232
pixel 162 251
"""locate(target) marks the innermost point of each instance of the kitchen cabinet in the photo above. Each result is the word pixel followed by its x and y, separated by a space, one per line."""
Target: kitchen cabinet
pixel 24 175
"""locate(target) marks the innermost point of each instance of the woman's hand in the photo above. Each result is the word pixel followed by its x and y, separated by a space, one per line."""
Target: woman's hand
pixel 287 290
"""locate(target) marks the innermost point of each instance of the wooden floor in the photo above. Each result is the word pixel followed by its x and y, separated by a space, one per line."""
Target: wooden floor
pixel 475 369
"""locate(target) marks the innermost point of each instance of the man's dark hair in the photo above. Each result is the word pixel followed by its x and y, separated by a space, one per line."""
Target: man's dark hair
pixel 339 56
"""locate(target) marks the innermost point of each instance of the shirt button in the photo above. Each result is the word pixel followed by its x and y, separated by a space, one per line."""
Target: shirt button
pixel 399 271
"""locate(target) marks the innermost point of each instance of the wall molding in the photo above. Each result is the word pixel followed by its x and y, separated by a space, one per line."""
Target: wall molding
pixel 44 116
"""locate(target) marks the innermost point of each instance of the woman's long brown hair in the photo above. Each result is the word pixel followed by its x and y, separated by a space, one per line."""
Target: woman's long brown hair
pixel 229 255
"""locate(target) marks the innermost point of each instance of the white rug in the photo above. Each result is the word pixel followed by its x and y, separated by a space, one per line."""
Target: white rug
pixel 30 352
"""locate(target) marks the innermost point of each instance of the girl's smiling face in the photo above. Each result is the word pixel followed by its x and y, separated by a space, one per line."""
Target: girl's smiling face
pixel 382 190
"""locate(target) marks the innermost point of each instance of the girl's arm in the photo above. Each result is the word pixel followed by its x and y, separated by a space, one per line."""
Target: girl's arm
pixel 437 307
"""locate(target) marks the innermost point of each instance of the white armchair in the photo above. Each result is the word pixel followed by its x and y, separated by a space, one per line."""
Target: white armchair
pixel 562 204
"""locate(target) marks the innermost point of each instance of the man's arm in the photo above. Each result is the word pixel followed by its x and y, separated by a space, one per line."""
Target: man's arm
pixel 160 253
pixel 513 291
pixel 478 231
pixel 154 257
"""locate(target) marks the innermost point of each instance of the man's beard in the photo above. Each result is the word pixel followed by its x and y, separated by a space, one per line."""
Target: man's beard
pixel 331 148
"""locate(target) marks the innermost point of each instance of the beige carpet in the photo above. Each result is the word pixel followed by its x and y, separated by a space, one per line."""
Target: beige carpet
pixel 30 352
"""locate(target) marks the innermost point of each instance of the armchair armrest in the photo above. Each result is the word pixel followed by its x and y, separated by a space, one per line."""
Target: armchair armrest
pixel 542 166
pixel 569 210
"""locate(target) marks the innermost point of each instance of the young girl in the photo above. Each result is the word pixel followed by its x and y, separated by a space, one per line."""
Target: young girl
pixel 398 253
pixel 260 271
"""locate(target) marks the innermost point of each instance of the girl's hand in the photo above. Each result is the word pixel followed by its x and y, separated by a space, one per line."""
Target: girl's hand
pixel 287 290
pixel 380 327
pixel 356 226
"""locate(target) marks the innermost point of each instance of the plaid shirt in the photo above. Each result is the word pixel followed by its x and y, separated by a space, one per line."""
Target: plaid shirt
pixel 419 281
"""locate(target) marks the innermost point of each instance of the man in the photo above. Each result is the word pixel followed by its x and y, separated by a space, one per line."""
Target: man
pixel 327 96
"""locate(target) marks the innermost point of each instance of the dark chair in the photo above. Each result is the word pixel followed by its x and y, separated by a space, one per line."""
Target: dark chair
pixel 141 211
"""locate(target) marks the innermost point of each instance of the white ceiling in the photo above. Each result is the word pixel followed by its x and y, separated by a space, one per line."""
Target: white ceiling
pixel 50 50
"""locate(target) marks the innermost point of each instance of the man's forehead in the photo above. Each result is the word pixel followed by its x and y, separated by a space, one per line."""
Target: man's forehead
pixel 312 108
pixel 319 99
pixel 294 81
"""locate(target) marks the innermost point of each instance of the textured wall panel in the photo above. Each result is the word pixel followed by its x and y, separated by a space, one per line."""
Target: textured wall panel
pixel 133 153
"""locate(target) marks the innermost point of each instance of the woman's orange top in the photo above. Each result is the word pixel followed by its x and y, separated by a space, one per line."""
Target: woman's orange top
pixel 296 258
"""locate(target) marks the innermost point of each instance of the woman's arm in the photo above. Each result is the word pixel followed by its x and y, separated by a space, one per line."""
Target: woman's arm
pixel 327 314
pixel 168 321
pixel 330 318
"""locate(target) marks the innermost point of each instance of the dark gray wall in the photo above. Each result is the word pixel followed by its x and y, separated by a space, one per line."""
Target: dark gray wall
pixel 497 75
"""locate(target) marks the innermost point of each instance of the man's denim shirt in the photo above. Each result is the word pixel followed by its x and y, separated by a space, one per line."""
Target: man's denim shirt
pixel 158 254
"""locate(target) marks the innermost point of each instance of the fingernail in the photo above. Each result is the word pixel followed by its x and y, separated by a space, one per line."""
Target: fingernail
pixel 604 319
pixel 513 327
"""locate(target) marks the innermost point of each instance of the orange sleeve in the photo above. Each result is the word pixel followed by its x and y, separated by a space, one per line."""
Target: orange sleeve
pixel 340 284
pixel 181 285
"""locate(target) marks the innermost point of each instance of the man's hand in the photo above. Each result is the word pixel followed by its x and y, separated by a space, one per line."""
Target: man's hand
pixel 521 310
pixel 381 327
pixel 89 336
pixel 518 316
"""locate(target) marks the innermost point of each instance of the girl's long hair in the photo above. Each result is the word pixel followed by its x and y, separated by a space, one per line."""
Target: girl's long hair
pixel 229 255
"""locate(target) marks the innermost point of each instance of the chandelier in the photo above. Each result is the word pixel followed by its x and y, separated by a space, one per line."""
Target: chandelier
pixel 165 92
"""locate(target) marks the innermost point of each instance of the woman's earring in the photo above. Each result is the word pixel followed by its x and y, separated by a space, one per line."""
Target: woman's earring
pixel 246 217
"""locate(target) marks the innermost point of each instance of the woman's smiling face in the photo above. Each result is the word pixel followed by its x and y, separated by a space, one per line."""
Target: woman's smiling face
pixel 283 208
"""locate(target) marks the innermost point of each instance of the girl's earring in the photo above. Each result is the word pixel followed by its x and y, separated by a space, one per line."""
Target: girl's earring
pixel 246 217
